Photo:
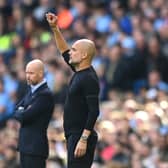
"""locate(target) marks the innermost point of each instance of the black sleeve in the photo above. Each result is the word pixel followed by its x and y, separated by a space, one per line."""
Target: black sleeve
pixel 21 103
pixel 91 92
pixel 66 59
pixel 40 105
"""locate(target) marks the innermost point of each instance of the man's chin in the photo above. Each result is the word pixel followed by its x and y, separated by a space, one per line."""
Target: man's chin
pixel 29 83
pixel 72 63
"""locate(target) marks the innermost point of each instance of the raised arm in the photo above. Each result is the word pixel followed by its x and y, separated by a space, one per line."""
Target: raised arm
pixel 60 41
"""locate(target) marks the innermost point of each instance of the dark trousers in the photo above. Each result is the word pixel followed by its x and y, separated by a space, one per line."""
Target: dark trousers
pixel 31 161
pixel 86 160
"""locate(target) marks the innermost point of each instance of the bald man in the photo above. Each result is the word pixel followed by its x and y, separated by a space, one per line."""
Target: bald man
pixel 34 113
pixel 81 107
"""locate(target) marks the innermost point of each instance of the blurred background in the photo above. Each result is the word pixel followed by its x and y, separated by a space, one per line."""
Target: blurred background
pixel 131 38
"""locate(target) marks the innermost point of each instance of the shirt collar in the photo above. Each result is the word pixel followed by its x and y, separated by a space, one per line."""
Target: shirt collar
pixel 35 87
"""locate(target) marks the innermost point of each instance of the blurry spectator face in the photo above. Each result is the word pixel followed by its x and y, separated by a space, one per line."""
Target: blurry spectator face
pixel 155 121
pixel 51 133
pixel 144 5
pixel 135 21
pixel 133 139
pixel 91 22
pixel 163 165
pixel 114 53
pixel 164 12
pixel 10 153
pixel 2 3
pixel 137 147
pixel 119 12
pixel 20 52
pixel 21 75
pixel 136 163
pixel 79 28
pixel 147 25
pixel 153 46
pixel 52 147
pixel 129 108
pixel 133 4
pixel 28 25
pixel 58 112
pixel 2 164
pixel 163 31
pixel 139 38
pixel 17 13
pixel 100 70
pixel 35 53
pixel 1 86
pixel 1 24
pixel 118 147
pixel 114 27
pixel 144 150
pixel 27 2
pixel 154 78
pixel 158 3
pixel 154 136
pixel 12 124
pixel 16 40
pixel 123 126
pixel 80 6
pixel 44 2
pixel 2 147
pixel 135 143
pixel 162 142
pixel 60 78
pixel 107 131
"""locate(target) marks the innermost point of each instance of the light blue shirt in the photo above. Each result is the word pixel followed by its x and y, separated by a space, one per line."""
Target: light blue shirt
pixel 35 87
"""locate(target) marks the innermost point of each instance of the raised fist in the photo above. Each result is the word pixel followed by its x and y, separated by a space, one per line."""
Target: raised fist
pixel 52 19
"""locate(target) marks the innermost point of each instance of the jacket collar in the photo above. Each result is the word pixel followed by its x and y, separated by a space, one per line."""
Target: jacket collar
pixel 41 87
pixel 35 87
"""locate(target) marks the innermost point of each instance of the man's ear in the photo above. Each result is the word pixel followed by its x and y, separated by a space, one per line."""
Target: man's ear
pixel 84 55
pixel 41 74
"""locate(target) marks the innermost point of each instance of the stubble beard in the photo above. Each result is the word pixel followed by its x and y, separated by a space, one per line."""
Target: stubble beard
pixel 29 82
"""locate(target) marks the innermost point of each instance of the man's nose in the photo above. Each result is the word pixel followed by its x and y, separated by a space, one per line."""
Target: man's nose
pixel 27 76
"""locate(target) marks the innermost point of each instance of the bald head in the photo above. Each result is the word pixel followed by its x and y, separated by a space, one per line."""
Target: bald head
pixel 36 64
pixel 35 72
pixel 88 46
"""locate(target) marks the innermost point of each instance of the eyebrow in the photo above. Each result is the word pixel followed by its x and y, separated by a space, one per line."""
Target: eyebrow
pixel 74 49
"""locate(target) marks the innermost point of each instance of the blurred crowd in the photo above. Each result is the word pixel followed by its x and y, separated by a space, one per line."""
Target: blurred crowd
pixel 131 38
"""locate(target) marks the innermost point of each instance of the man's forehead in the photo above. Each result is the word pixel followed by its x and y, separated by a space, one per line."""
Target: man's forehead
pixel 77 43
pixel 29 68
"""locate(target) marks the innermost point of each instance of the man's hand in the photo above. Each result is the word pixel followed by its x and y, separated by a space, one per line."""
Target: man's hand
pixel 59 39
pixel 20 109
pixel 52 19
pixel 80 149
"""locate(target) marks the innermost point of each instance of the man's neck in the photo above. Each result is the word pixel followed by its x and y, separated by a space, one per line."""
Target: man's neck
pixel 82 67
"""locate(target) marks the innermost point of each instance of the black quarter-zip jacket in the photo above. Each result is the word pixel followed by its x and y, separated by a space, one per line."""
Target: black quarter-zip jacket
pixel 81 107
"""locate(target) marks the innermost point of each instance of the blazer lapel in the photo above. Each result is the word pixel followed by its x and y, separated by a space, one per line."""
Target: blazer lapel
pixel 30 96
pixel 28 99
pixel 43 86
